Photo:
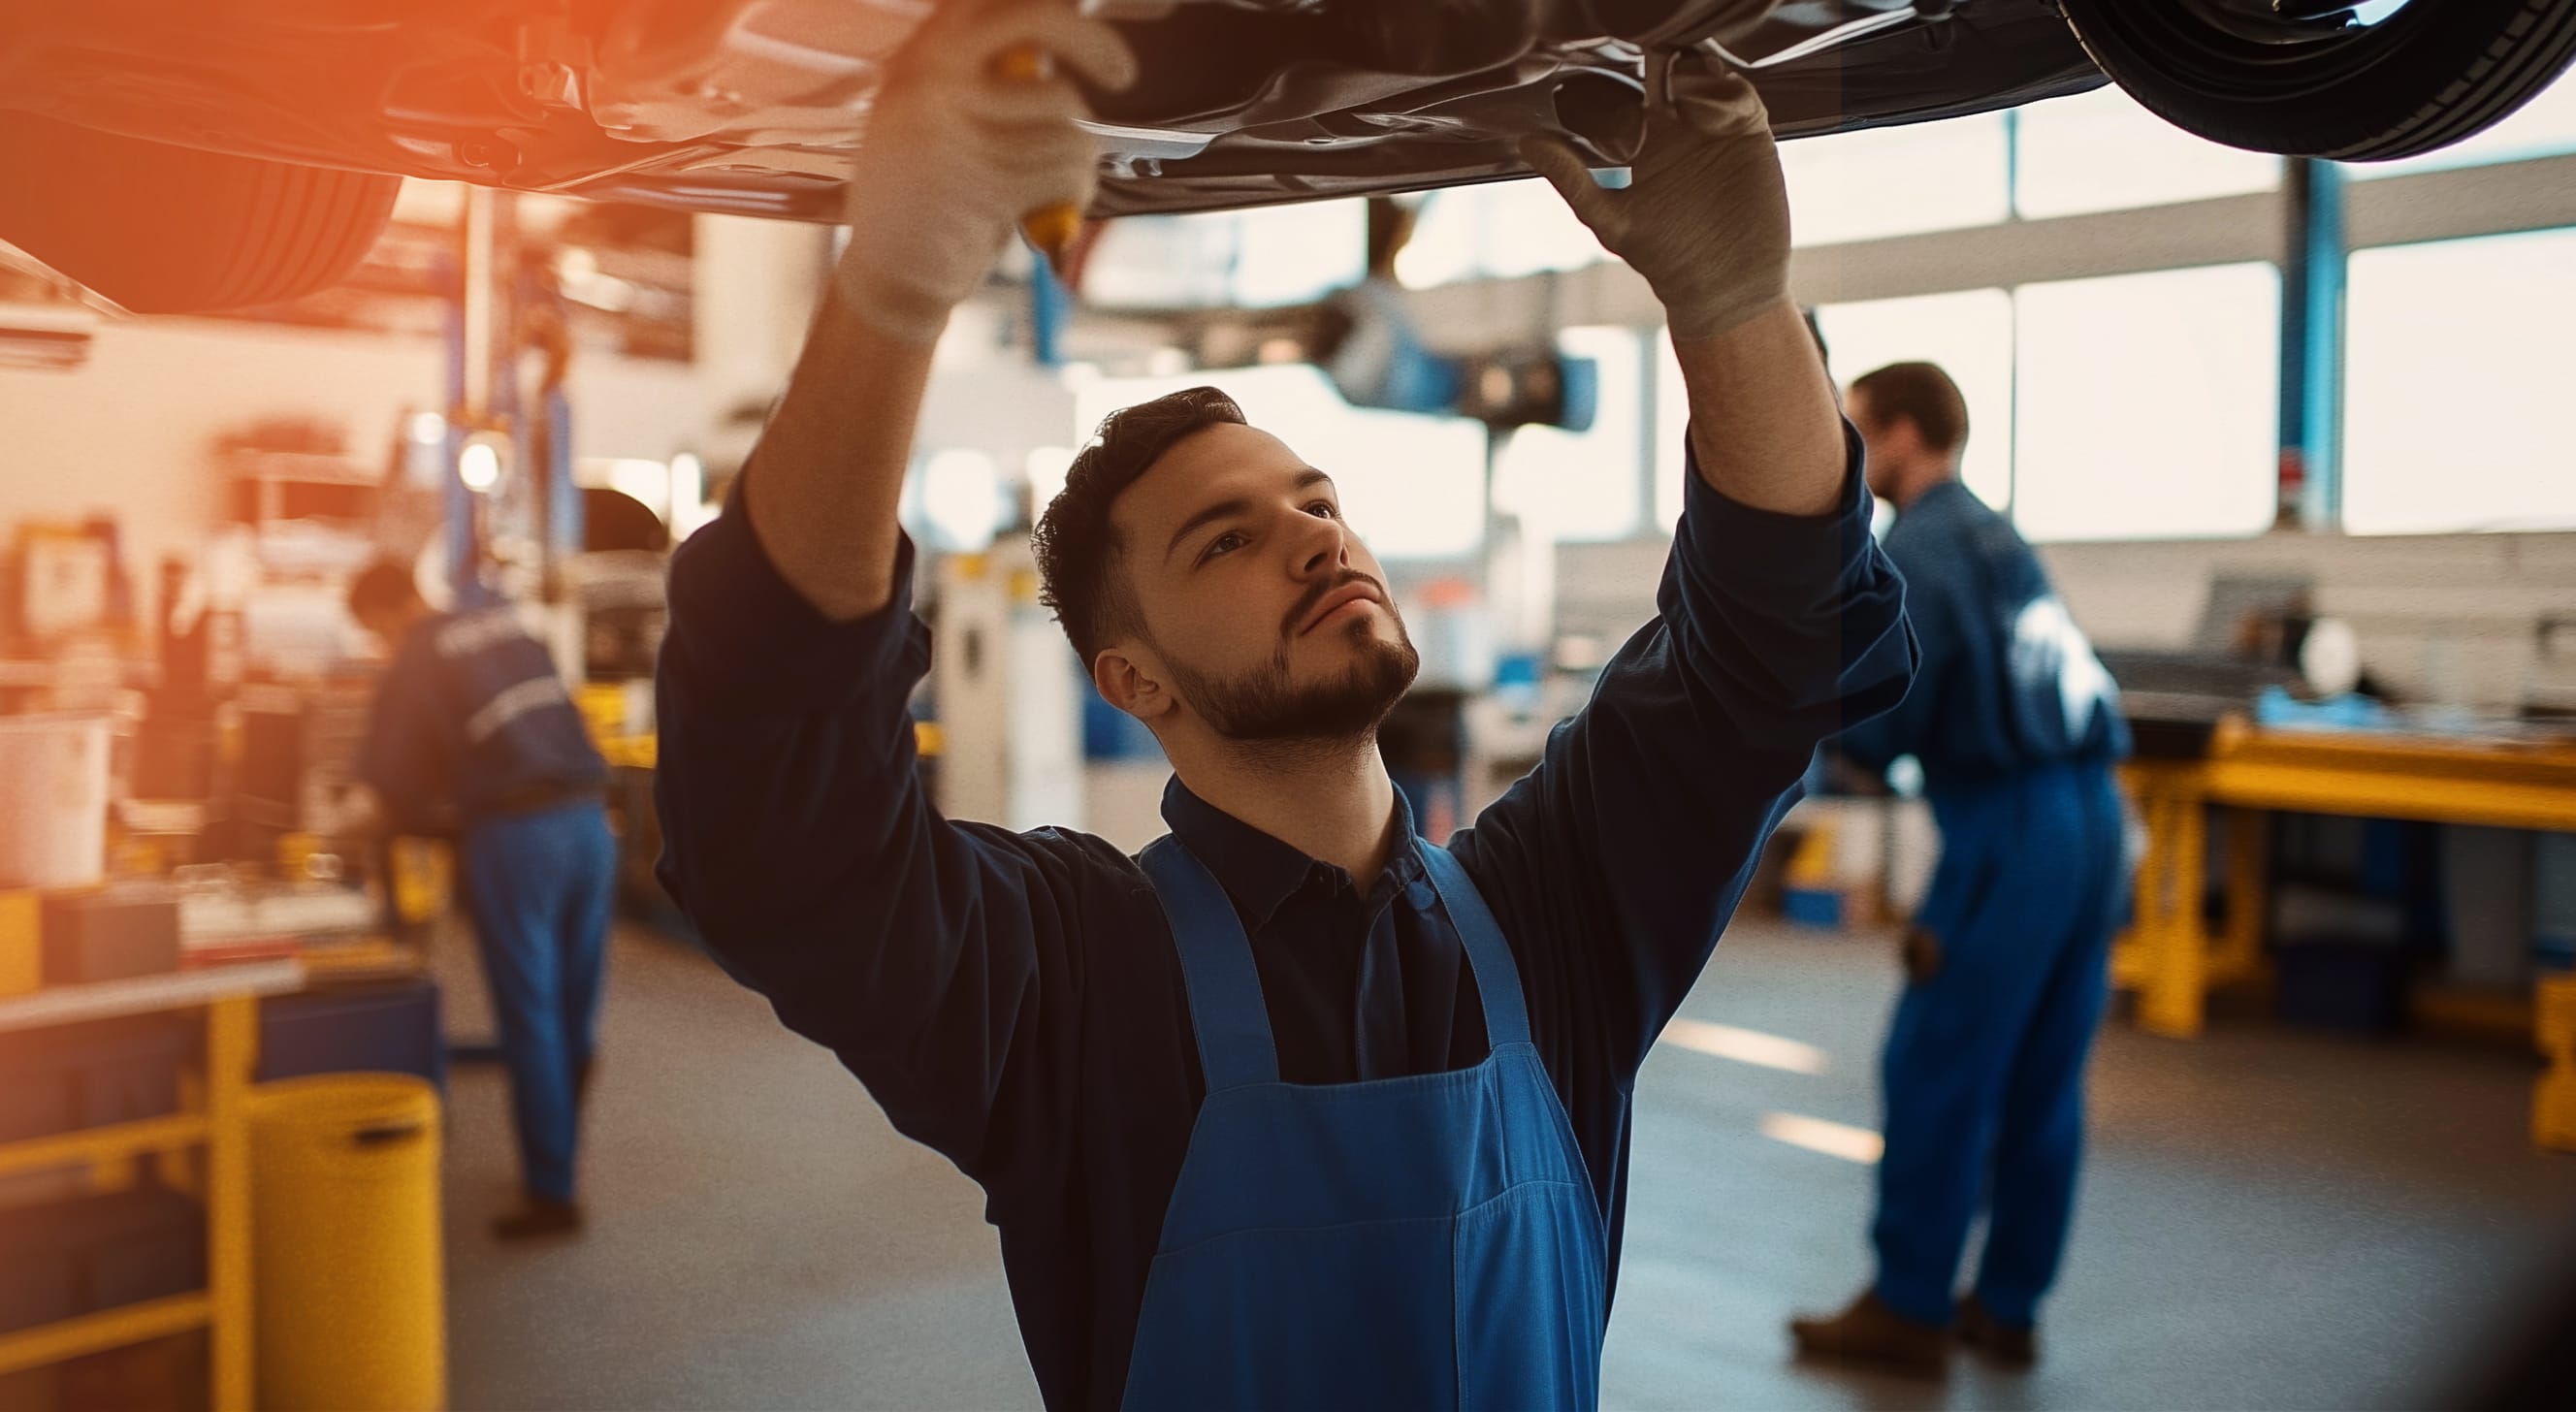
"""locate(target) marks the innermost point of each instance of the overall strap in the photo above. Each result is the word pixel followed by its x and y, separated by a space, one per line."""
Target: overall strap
pixel 1226 1010
pixel 1498 976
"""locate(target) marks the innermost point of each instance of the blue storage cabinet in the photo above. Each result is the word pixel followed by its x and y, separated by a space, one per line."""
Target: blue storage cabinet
pixel 389 1027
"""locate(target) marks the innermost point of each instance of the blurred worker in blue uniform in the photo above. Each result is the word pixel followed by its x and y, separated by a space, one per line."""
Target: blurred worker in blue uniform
pixel 473 733
pixel 2017 727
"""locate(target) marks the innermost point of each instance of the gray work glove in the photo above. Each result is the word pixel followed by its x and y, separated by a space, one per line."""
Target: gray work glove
pixel 956 151
pixel 1705 216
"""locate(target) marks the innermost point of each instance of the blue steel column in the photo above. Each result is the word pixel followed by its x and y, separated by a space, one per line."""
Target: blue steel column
pixel 454 498
pixel 1050 304
pixel 564 526
pixel 2312 299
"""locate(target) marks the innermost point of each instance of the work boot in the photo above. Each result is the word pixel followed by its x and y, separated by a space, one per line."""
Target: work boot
pixel 1871 1335
pixel 538 1217
pixel 2014 1346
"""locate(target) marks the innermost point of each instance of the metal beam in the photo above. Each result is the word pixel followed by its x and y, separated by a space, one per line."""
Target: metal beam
pixel 2538 194
pixel 2312 289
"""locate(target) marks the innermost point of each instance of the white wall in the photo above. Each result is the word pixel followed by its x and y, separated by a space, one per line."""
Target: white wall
pixel 128 433
pixel 2442 617
pixel 2465 606
pixel 642 407
pixel 757 285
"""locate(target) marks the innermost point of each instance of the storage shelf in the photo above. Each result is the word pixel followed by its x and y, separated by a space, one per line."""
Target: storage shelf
pixel 104 1144
pixel 110 1328
pixel 229 995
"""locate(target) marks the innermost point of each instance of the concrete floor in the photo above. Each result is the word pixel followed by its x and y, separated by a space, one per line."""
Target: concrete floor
pixel 2271 1219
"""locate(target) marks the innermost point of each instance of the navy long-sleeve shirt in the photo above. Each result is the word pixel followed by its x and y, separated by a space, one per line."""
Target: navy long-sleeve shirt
pixel 2008 682
pixel 470 717
pixel 1014 1000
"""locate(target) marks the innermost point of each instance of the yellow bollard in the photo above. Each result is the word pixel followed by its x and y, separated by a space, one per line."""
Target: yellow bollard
pixel 347 1275
pixel 22 943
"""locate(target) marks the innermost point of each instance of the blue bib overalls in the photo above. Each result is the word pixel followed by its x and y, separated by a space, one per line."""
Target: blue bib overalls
pixel 1419 1242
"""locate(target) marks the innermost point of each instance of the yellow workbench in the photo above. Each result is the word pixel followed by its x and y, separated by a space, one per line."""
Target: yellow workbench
pixel 2169 956
pixel 220 1127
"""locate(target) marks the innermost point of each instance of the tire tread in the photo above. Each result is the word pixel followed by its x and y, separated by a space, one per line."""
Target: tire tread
pixel 163 229
pixel 2530 44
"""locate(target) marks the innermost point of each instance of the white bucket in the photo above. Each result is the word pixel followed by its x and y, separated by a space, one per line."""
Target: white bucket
pixel 53 800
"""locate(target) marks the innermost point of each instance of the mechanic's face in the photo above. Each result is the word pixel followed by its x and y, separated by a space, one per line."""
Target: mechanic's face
pixel 1264 615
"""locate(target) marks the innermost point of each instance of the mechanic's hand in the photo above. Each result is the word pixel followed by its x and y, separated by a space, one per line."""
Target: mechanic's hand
pixel 955 152
pixel 1705 216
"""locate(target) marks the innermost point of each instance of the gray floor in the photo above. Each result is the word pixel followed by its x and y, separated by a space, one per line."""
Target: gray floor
pixel 2271 1219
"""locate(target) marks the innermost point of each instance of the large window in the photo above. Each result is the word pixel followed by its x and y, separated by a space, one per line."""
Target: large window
pixel 2100 151
pixel 1584 485
pixel 2130 407
pixel 1412 486
pixel 1898 180
pixel 1499 231
pixel 2456 383
pixel 2146 406
pixel 1970 334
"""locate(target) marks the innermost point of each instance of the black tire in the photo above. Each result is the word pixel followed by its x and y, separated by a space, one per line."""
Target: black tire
pixel 168 230
pixel 2423 78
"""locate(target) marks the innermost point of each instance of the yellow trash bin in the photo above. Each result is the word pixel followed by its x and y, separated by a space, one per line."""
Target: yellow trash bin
pixel 346 1265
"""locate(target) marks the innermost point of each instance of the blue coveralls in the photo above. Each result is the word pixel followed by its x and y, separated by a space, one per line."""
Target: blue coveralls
pixel 472 729
pixel 2017 727
pixel 1416 1242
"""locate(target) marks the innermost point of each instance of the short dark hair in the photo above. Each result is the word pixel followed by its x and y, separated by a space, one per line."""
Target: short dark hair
pixel 384 586
pixel 1922 394
pixel 1077 547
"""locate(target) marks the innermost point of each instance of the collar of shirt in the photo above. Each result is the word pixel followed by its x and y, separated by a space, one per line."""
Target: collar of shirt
pixel 1939 500
pixel 1260 873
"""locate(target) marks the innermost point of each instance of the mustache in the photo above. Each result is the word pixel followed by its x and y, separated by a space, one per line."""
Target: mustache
pixel 1312 597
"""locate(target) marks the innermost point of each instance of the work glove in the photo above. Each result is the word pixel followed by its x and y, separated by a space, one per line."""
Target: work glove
pixel 1705 215
pixel 957 148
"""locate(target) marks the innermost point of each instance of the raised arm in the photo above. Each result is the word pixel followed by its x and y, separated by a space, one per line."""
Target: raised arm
pixel 1705 218
pixel 1778 621
pixel 955 151
pixel 939 960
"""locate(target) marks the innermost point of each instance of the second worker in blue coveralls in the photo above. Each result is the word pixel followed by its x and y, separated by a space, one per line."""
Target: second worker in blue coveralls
pixel 2017 726
pixel 1295 1109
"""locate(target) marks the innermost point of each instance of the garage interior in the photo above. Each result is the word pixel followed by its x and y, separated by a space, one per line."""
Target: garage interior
pixel 2287 435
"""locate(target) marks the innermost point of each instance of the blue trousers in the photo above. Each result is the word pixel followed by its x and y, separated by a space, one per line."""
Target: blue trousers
pixel 541 888
pixel 1983 1075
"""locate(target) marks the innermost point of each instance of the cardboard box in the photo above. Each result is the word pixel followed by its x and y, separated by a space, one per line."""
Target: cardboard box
pixel 111 933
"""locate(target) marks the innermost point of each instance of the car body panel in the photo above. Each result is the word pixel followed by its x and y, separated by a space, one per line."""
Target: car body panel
pixel 750 106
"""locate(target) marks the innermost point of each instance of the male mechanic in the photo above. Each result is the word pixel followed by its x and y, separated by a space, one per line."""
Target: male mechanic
pixel 472 731
pixel 1294 1110
pixel 2017 727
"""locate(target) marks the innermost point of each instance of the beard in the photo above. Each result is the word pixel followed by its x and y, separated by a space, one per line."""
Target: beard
pixel 1268 705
